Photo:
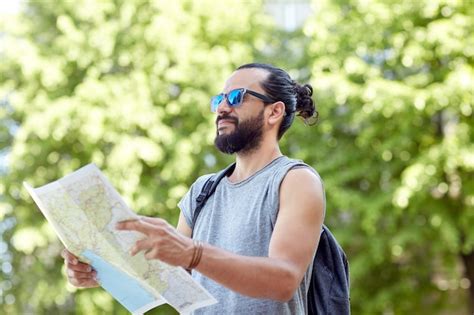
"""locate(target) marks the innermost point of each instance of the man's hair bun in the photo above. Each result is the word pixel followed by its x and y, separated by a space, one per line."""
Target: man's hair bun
pixel 304 103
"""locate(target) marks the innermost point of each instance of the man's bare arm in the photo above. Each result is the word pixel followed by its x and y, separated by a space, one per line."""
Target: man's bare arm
pixel 292 245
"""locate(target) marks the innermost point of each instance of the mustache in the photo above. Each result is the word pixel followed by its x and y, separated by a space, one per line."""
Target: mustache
pixel 227 117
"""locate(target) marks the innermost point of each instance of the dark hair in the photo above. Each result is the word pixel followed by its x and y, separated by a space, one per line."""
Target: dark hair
pixel 280 87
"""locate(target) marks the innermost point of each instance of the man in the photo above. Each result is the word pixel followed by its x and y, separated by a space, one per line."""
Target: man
pixel 254 242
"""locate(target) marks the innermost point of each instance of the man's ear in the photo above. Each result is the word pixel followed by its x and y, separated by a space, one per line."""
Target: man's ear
pixel 277 113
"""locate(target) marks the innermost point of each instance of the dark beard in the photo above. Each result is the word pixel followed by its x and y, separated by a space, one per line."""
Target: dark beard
pixel 245 138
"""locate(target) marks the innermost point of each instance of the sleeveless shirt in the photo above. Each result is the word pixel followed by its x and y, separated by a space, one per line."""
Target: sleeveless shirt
pixel 240 218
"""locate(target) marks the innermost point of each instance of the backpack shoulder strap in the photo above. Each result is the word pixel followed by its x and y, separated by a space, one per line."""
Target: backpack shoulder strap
pixel 209 188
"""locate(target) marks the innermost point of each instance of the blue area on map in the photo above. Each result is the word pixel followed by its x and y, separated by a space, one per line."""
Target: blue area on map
pixel 122 287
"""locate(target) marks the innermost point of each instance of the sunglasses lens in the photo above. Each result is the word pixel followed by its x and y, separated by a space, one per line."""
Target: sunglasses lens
pixel 215 101
pixel 235 97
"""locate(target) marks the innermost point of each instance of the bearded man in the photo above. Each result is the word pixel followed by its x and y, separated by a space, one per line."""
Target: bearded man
pixel 253 244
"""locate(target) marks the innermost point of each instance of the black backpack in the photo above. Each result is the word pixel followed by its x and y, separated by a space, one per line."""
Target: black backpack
pixel 329 288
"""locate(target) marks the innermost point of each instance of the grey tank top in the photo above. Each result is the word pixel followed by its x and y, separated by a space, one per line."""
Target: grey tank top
pixel 240 217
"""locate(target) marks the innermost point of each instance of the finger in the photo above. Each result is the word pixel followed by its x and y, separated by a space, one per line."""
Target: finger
pixel 135 225
pixel 152 220
pixel 69 257
pixel 84 283
pixel 81 267
pixel 140 245
pixel 72 274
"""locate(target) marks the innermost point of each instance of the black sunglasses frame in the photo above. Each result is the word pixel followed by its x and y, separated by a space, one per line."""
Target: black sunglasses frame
pixel 264 98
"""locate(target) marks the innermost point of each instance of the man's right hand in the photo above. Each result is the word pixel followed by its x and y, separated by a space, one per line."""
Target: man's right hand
pixel 79 274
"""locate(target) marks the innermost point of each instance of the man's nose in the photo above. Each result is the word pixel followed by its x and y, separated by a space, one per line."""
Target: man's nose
pixel 223 107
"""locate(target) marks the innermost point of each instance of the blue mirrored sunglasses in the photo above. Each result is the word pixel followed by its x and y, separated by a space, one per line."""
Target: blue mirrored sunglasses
pixel 236 97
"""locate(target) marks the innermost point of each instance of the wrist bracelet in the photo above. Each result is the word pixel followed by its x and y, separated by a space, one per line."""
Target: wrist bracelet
pixel 197 254
pixel 194 256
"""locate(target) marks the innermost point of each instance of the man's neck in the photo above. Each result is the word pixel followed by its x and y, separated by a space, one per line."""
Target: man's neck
pixel 251 162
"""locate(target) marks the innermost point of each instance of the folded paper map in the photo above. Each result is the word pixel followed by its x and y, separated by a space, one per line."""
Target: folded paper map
pixel 83 208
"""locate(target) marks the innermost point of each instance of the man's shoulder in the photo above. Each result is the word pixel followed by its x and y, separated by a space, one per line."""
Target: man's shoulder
pixel 302 175
pixel 195 189
pixel 201 180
